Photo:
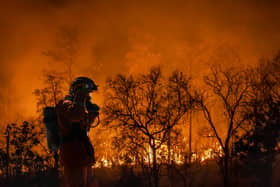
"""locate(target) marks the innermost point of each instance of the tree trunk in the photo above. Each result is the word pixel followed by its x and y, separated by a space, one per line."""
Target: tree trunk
pixel 155 168
pixel 226 168
pixel 190 139
pixel 268 172
pixel 7 152
pixel 56 160
pixel 170 175
pixel 169 148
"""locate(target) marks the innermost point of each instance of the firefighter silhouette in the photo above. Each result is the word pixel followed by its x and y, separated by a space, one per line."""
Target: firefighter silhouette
pixel 75 115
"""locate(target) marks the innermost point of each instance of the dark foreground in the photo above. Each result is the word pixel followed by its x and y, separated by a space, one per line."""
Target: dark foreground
pixel 199 176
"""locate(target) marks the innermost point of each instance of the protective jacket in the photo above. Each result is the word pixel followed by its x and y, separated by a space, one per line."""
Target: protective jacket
pixel 74 122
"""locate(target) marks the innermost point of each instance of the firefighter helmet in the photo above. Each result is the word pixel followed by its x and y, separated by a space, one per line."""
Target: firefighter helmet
pixel 82 82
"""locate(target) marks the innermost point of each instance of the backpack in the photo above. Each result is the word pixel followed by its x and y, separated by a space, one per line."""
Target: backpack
pixel 52 130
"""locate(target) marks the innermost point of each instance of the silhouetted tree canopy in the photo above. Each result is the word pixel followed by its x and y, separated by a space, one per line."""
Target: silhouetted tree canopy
pixel 258 147
pixel 145 109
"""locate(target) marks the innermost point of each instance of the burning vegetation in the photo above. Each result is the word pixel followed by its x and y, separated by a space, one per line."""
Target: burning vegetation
pixel 148 126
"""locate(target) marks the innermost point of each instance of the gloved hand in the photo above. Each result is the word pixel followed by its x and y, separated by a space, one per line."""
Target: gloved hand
pixel 92 107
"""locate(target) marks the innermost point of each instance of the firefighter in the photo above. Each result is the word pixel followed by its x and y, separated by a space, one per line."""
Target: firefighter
pixel 75 115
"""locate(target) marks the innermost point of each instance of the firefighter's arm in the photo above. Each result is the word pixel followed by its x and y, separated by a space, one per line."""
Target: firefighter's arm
pixel 93 112
pixel 75 110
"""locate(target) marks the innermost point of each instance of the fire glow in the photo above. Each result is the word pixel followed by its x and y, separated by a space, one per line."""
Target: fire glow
pixel 179 159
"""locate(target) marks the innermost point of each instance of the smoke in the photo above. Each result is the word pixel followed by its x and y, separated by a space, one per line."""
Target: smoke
pixel 127 37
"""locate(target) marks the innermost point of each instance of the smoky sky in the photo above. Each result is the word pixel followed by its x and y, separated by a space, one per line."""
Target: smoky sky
pixel 128 36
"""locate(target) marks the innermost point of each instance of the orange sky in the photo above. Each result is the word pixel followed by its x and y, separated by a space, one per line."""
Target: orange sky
pixel 127 37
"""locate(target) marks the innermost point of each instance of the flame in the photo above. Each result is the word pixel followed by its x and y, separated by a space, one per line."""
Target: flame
pixel 103 163
pixel 207 154
pixel 210 154
pixel 162 156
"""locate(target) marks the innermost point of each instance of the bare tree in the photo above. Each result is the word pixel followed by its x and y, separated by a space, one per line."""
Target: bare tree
pixel 52 92
pixel 50 96
pixel 148 107
pixel 65 50
pixel 230 88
